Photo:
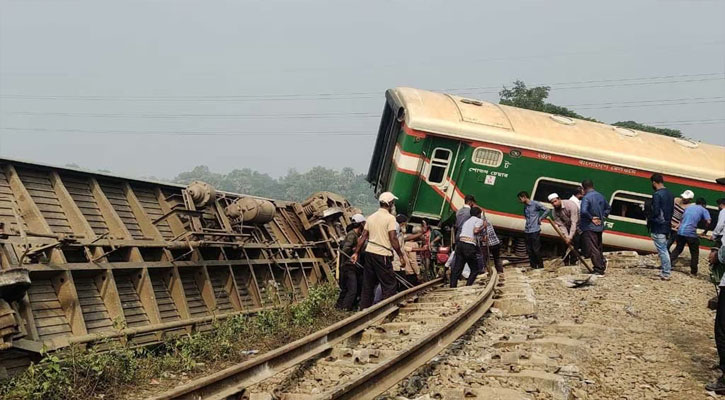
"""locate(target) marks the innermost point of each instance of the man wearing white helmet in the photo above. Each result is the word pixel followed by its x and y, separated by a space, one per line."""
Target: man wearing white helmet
pixel 681 203
pixel 381 236
pixel 349 276
pixel 687 233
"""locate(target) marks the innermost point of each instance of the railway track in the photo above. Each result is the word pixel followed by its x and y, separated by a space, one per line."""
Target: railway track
pixel 359 357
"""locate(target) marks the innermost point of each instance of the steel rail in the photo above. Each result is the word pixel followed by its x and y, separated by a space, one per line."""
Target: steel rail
pixel 235 379
pixel 376 381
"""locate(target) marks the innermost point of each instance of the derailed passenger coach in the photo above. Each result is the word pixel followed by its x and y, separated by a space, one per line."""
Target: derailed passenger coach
pixel 434 148
pixel 88 257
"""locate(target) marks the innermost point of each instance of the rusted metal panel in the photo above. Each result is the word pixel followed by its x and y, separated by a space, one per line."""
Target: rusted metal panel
pixel 116 257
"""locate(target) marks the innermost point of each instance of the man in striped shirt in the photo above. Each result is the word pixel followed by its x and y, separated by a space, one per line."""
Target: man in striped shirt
pixel 489 240
pixel 681 203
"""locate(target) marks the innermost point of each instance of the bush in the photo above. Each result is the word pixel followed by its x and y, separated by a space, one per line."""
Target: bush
pixel 76 373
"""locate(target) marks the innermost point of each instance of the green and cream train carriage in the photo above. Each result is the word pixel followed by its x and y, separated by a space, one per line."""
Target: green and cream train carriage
pixel 433 148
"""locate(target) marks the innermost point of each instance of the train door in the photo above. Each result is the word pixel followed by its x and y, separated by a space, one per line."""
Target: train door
pixel 435 186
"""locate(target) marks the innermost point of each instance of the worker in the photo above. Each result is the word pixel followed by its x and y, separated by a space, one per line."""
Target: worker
pixel 718 262
pixel 492 244
pixel 436 241
pixel 382 241
pixel 577 196
pixel 566 218
pixel 681 204
pixel 687 233
pixel 467 249
pixel 463 214
pixel 658 222
pixel 349 272
pixel 533 211
pixel 428 238
pixel 718 234
pixel 594 210
pixel 403 267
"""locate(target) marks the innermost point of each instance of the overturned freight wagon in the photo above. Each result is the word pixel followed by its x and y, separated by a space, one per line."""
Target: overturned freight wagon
pixel 434 148
pixel 87 256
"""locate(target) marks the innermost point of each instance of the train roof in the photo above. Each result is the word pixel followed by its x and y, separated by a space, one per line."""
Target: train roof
pixel 458 117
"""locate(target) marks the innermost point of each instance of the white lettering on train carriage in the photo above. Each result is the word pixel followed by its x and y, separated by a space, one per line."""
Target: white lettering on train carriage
pixel 607 167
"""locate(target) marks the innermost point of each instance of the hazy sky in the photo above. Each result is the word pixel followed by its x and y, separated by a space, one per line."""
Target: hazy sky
pixel 268 84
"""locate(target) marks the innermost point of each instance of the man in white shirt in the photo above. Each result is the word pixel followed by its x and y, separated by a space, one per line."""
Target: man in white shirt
pixel 382 239
pixel 718 234
pixel 467 249
pixel 464 213
pixel 577 196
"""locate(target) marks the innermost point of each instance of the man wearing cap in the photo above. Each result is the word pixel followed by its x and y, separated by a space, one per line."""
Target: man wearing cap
pixel 594 210
pixel 566 217
pixel 382 239
pixel 349 273
pixel 681 203
pixel 658 222
pixel 687 233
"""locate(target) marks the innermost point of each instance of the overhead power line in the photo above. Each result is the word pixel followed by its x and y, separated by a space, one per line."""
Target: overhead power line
pixel 275 133
pixel 202 116
pixel 190 133
pixel 351 115
pixel 620 82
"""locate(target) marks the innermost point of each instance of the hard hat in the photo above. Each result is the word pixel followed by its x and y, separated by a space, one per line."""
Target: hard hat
pixel 387 197
pixel 358 218
pixel 553 196
pixel 688 194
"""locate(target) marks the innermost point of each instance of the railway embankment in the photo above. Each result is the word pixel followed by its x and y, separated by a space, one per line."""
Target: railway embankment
pixel 625 336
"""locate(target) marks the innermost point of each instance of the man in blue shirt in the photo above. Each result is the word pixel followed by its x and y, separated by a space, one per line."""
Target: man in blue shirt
pixel 594 210
pixel 658 222
pixel 687 233
pixel 533 211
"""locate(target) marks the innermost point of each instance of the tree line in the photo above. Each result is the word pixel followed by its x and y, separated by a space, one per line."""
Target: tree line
pixel 535 99
pixel 294 186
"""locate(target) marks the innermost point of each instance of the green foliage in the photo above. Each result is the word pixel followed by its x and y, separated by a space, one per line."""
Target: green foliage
pixel 76 373
pixel 294 186
pixel 648 128
pixel 535 99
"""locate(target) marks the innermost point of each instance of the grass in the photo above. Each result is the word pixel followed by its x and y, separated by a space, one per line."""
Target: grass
pixel 120 370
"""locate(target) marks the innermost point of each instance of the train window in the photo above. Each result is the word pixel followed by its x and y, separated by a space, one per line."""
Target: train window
pixel 487 157
pixel 546 186
pixel 439 165
pixel 630 207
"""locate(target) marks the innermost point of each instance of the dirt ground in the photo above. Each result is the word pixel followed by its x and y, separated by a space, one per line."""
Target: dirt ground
pixel 628 336
pixel 662 346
